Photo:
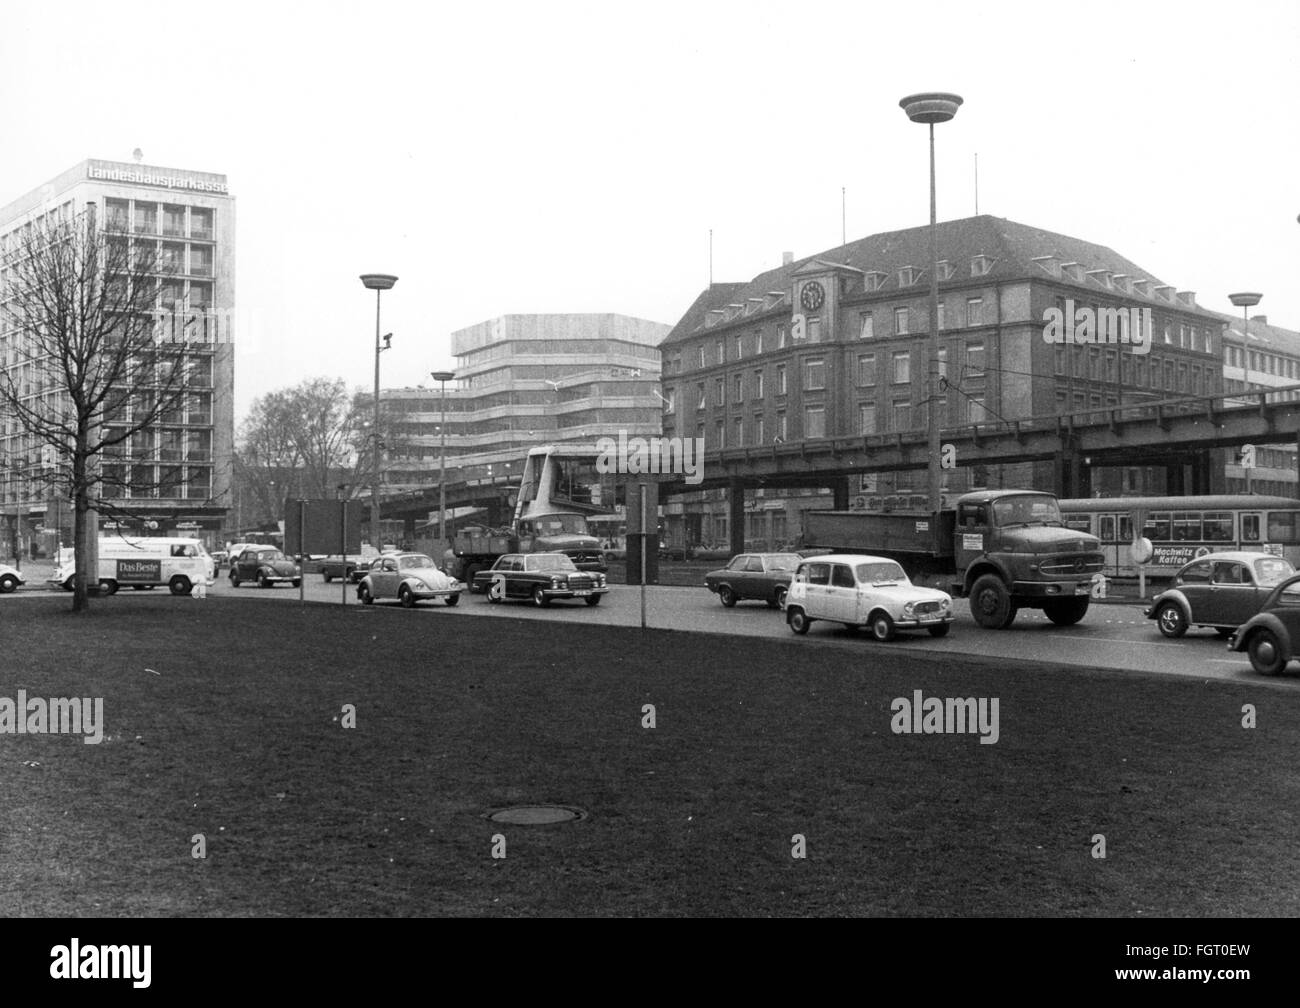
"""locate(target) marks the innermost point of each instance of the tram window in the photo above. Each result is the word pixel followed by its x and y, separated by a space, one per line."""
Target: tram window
pixel 1157 529
pixel 1125 527
pixel 1187 527
pixel 1106 528
pixel 1218 526
pixel 1282 526
pixel 1250 528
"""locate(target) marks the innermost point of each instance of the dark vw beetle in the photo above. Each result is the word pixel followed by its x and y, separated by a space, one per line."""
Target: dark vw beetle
pixel 541 577
pixel 266 565
pixel 1221 590
pixel 1272 636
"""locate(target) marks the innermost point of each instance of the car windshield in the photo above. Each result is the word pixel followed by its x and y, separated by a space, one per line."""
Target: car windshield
pixel 1028 509
pixel 414 561
pixel 879 573
pixel 557 562
pixel 782 561
pixel 1272 571
pixel 559 523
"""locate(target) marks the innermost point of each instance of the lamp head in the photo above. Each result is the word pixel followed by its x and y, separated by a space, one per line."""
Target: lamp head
pixel 931 106
pixel 378 281
pixel 1246 299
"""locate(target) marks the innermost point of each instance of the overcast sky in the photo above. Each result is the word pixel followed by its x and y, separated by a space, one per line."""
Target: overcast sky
pixel 572 157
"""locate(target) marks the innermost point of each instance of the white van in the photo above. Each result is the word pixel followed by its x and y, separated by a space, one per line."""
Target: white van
pixel 143 563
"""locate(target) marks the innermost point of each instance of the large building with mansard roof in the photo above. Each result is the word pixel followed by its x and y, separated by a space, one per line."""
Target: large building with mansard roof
pixel 836 345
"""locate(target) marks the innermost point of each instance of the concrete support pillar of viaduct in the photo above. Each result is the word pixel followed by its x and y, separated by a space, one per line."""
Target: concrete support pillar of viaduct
pixel 1069 475
pixel 1174 481
pixel 840 490
pixel 736 515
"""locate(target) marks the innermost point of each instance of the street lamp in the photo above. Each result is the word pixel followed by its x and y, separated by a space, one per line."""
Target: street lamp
pixel 442 377
pixel 1244 301
pixel 377 282
pixel 933 107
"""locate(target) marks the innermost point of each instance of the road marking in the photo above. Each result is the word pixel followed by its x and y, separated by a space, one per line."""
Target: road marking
pixel 1116 640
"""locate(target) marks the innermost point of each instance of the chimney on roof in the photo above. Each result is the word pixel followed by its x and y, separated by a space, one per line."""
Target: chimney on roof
pixel 787 258
pixel 1261 319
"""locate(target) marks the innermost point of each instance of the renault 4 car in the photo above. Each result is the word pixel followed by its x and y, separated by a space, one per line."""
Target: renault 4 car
pixel 864 591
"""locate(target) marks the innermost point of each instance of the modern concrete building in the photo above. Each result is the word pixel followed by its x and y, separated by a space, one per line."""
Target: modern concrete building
pixel 837 345
pixel 522 381
pixel 188 219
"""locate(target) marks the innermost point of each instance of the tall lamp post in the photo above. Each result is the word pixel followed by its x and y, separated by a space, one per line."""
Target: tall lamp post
pixel 1245 301
pixel 933 107
pixel 377 282
pixel 442 377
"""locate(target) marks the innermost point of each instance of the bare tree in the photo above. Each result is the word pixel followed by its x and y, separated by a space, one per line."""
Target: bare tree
pixel 90 364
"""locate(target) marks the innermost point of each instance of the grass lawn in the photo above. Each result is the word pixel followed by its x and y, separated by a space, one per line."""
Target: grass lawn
pixel 238 737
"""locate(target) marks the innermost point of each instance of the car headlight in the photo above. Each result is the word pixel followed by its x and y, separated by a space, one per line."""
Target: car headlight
pixel 909 608
pixel 946 604
pixel 555 582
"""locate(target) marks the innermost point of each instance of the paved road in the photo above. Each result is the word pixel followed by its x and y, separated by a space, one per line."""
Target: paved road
pixel 1112 636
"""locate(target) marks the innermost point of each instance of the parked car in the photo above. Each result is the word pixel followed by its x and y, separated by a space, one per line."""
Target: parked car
pixel 1222 591
pixel 864 591
pixel 762 576
pixel 408 578
pixel 542 577
pixel 266 565
pixel 353 570
pixel 10 579
pixel 1272 636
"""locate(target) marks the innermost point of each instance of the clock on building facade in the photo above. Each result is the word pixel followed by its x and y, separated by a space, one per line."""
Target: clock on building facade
pixel 813 295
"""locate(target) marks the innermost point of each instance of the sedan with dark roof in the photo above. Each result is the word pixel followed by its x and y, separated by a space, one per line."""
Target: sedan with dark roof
pixel 761 576
pixel 541 577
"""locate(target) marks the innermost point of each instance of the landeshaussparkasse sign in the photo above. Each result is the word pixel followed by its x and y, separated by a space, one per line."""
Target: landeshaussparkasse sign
pixel 166 178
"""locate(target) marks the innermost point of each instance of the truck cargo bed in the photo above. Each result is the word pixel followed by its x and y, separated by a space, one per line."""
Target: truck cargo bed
pixel 887 533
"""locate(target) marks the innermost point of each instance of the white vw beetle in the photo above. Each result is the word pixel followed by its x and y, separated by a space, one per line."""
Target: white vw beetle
pixel 864 591
pixel 408 577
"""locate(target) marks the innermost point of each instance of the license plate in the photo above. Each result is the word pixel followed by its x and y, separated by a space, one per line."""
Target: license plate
pixel 930 619
pixel 581 592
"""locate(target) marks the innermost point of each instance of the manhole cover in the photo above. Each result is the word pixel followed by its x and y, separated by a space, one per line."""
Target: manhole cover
pixel 537 815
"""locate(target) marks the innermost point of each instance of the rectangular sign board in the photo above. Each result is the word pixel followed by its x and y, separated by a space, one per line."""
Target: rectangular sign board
pixel 139 571
pixel 324 528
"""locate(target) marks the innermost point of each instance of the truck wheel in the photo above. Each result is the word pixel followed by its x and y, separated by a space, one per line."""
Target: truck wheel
pixel 882 627
pixel 1171 621
pixel 1266 654
pixel 179 585
pixel 108 587
pixel 798 620
pixel 1066 611
pixel 990 603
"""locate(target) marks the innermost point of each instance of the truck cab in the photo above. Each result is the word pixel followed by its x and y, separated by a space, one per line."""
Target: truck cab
pixel 1012 550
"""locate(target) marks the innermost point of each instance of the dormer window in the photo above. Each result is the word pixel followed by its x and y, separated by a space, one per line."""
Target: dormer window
pixel 907 276
pixel 944 269
pixel 980 265
pixel 874 280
